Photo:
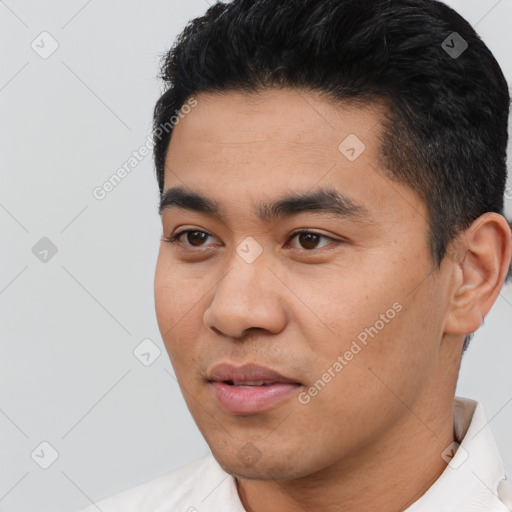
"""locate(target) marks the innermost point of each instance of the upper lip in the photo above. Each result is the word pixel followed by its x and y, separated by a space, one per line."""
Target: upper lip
pixel 246 373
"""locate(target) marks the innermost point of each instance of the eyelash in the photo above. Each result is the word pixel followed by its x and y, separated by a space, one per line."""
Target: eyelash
pixel 175 238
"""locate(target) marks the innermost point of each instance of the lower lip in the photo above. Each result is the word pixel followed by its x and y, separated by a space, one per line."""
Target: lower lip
pixel 251 400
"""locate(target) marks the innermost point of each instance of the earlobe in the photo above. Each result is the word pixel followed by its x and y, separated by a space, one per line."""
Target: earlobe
pixel 480 273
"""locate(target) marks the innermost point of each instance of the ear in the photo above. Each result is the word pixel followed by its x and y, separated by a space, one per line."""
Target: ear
pixel 481 263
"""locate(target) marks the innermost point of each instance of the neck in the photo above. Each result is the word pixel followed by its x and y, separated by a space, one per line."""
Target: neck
pixel 387 475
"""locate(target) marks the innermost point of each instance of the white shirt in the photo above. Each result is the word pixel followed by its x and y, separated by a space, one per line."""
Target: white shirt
pixel 473 481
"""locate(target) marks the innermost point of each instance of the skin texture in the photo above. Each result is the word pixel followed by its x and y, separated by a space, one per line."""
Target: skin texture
pixel 372 438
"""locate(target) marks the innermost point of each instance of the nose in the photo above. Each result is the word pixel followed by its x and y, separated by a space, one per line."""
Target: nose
pixel 248 296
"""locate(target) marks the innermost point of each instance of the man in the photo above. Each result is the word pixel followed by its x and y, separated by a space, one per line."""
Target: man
pixel 333 232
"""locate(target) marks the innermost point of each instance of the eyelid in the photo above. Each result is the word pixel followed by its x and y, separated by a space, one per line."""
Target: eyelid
pixel 178 234
pixel 305 231
pixel 310 231
pixel 300 231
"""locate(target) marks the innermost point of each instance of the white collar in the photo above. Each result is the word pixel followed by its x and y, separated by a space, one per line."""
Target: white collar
pixel 474 480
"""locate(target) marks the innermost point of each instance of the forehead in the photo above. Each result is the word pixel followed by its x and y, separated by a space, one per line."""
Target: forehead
pixel 281 133
pixel 304 118
pixel 242 148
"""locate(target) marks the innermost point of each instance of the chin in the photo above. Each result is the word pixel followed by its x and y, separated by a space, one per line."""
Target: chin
pixel 260 467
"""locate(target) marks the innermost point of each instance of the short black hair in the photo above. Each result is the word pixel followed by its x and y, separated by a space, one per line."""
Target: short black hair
pixel 446 128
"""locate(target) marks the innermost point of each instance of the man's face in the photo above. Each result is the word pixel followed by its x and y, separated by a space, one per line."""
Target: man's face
pixel 351 315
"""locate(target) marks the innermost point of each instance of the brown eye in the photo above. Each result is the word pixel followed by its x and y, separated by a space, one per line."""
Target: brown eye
pixel 196 237
pixel 309 240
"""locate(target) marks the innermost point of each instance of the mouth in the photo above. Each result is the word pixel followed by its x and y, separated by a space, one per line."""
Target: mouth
pixel 250 389
pixel 249 384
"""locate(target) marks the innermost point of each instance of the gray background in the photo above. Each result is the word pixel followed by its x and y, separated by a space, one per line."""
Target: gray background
pixel 69 326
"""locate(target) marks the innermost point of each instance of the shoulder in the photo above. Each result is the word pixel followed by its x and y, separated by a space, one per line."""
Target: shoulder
pixel 181 487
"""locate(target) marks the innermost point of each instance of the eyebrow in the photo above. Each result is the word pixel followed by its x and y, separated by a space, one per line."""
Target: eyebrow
pixel 323 200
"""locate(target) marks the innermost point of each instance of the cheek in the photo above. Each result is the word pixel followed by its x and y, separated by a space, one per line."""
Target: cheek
pixel 166 303
pixel 175 293
pixel 179 300
pixel 371 320
pixel 333 313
